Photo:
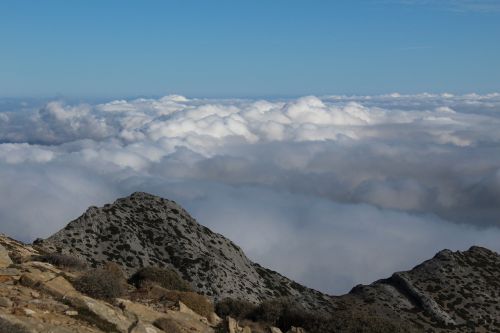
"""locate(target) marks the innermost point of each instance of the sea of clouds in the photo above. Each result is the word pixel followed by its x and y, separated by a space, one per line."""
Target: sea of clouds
pixel 330 191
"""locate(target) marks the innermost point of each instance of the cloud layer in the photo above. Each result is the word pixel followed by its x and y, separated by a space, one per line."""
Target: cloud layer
pixel 331 191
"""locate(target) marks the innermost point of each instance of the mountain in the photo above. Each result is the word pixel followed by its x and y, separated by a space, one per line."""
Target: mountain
pixel 452 292
pixel 145 230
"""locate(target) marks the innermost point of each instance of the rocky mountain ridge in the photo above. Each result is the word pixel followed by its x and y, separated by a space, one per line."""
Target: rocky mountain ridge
pixel 452 292
pixel 145 230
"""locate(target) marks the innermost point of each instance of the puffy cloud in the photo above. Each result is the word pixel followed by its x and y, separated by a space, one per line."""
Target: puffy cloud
pixel 332 191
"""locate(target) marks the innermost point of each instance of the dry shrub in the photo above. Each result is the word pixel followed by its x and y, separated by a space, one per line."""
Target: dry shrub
pixel 167 325
pixel 235 308
pixel 62 261
pixel 283 312
pixel 166 278
pixel 105 283
pixel 196 302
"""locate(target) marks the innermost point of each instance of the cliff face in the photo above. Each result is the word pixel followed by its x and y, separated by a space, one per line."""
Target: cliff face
pixel 145 230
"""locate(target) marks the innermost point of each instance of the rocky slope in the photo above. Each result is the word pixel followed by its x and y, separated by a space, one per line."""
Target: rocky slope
pixel 452 292
pixel 145 230
pixel 37 297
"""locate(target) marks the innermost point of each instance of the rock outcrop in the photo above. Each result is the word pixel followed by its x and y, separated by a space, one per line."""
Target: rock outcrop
pixel 5 260
pixel 39 298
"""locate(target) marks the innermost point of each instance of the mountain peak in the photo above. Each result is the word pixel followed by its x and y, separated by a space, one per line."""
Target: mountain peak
pixel 144 230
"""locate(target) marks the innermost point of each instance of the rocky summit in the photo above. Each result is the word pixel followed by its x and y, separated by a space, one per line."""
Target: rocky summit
pixel 145 230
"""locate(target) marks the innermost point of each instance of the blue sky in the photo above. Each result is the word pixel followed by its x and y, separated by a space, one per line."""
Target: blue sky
pixel 247 48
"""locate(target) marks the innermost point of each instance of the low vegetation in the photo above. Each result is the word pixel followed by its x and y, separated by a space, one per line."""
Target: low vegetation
pixel 165 278
pixel 105 283
pixel 285 313
pixel 62 261
pixel 235 308
pixel 196 302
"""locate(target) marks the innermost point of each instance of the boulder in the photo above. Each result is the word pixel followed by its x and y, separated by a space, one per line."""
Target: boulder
pixel 9 274
pixel 5 260
pixel 56 286
pixel 214 319
pixel 232 325
pixel 274 330
pixel 141 327
pixel 105 316
pixel 9 271
pixel 193 322
pixel 10 323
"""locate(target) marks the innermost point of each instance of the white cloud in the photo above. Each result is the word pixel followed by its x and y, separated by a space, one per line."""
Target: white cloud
pixel 347 188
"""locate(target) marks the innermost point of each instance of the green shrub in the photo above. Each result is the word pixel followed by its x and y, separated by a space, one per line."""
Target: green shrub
pixel 105 283
pixel 166 278
pixel 235 308
pixel 62 260
pixel 168 325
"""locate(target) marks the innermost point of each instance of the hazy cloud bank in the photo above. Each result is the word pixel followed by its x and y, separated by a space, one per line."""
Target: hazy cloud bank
pixel 331 191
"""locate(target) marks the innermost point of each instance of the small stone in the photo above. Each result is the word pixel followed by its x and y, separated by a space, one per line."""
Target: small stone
pixel 5 302
pixel 35 294
pixel 29 312
pixel 71 313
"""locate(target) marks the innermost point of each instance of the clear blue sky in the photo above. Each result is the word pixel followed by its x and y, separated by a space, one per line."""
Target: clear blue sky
pixel 247 48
